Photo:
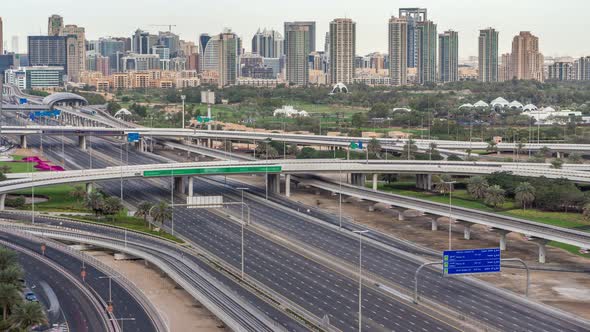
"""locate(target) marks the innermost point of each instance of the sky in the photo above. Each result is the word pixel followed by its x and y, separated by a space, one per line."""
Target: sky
pixel 562 26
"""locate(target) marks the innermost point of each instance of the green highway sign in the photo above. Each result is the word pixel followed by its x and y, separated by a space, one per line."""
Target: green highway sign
pixel 212 170
pixel 203 119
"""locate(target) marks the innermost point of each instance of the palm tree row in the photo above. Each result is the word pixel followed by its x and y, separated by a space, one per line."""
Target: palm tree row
pixel 17 315
pixel 479 188
pixel 97 202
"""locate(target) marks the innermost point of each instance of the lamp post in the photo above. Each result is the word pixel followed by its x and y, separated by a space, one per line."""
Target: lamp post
pixel 360 233
pixel 450 184
pixel 182 97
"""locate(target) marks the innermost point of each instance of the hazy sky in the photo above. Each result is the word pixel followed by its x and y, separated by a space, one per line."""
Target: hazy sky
pixel 562 26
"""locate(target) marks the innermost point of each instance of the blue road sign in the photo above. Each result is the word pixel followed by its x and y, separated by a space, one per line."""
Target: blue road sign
pixel 132 137
pixel 22 101
pixel 360 144
pixel 457 262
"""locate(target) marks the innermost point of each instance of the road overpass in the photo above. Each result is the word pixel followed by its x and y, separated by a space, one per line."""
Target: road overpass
pixel 309 140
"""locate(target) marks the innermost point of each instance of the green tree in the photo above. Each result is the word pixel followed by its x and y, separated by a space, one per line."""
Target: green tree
pixel 442 184
pixel 7 258
pixel 161 212
pixel 495 196
pixel 525 194
pixel 545 151
pixel 94 201
pixel 112 206
pixel 292 149
pixel 477 187
pixel 12 275
pixel 492 146
pixel 575 158
pixel 556 163
pixel 26 315
pixel 78 193
pixel 9 296
pixel 143 210
pixel 374 147
pixel 586 211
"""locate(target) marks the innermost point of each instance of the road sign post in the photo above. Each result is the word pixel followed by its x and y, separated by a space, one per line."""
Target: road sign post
pixel 133 137
pixel 472 261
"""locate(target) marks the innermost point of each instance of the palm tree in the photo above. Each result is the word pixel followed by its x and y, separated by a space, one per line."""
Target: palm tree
pixel 5 169
pixel 575 158
pixel 162 212
pixel 374 147
pixel 556 163
pixel 586 211
pixel 7 258
pixel 27 315
pixel 111 206
pixel 11 276
pixel 9 296
pixel 492 146
pixel 143 210
pixel 78 193
pixel 432 150
pixel 292 149
pixel 477 187
pixel 495 196
pixel 443 184
pixel 525 194
pixel 94 202
pixel 545 151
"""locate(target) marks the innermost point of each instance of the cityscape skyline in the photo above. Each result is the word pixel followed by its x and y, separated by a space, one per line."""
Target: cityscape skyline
pixel 372 26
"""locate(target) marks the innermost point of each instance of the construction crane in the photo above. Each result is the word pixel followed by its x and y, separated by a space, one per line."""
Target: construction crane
pixel 164 25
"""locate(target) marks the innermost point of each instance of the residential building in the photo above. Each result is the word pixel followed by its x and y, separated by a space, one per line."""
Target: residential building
pixel 76 49
pixel 140 62
pixel 342 50
pixel 488 55
pixel 297 49
pixel 47 51
pixel 310 27
pixel 54 25
pixel 426 41
pixel 8 61
pixel 14 48
pixel 169 40
pixel 582 68
pixel 561 71
pixel 526 61
pixel 504 68
pixel 413 16
pixel 398 50
pixel 142 42
pixel 448 56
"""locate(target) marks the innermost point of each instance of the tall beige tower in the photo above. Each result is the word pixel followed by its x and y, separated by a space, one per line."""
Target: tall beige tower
pixel 342 50
pixel 80 34
pixel 54 25
pixel 526 61
pixel 398 55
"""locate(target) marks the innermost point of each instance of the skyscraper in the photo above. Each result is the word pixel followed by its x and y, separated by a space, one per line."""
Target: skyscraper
pixel 426 42
pixel 561 71
pixel 203 40
pixel 413 17
pixel 504 68
pixel 47 51
pixel 448 56
pixel 54 25
pixel 74 32
pixel 311 28
pixel 582 68
pixel 526 62
pixel 398 50
pixel 14 45
pixel 228 58
pixel 141 42
pixel 1 37
pixel 342 50
pixel 268 44
pixel 488 55
pixel 297 50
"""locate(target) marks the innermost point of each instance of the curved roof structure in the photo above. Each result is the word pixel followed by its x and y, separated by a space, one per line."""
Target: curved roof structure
pixel 340 87
pixel 530 107
pixel 466 106
pixel 501 102
pixel 122 111
pixel 62 97
pixel 481 103
pixel 548 109
pixel 515 104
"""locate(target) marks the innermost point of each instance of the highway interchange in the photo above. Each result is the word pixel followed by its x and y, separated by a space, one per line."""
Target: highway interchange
pixel 220 236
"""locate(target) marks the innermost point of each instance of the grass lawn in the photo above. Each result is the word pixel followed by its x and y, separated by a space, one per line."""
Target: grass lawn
pixel 59 199
pixel 20 167
pixel 131 223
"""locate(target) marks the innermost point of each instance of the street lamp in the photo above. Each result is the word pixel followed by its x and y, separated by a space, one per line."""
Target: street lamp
pixel 182 97
pixel 241 189
pixel 267 144
pixel 360 233
pixel 450 184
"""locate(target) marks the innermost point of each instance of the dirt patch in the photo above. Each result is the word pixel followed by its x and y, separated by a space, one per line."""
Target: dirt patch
pixel 178 309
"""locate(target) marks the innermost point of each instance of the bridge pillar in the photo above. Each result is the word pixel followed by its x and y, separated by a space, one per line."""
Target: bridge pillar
pixel 2 201
pixel 542 244
pixel 424 181
pixel 466 229
pixel 179 184
pixel 502 234
pixel 23 141
pixel 347 153
pixel 357 179
pixel 375 178
pixel 89 187
pixel 191 181
pixel 82 142
pixel 400 216
pixel 558 155
pixel 288 185
pixel 434 224
pixel 273 183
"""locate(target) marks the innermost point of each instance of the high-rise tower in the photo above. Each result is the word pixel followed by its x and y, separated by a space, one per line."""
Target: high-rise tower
pixel 413 16
pixel 297 49
pixel 448 56
pixel 488 55
pixel 342 50
pixel 398 46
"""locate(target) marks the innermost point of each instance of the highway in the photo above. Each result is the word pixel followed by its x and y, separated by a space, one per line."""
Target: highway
pixel 127 301
pixel 67 302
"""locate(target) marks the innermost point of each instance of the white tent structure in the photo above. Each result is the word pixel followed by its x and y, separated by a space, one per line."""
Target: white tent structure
pixel 122 112
pixel 499 103
pixel 481 104
pixel 515 105
pixel 466 106
pixel 529 107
